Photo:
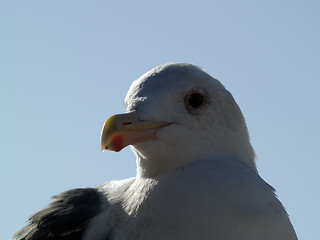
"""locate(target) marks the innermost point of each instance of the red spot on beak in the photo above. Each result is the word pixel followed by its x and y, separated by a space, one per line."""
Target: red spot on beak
pixel 117 143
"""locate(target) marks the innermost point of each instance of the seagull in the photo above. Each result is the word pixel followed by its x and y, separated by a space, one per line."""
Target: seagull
pixel 196 173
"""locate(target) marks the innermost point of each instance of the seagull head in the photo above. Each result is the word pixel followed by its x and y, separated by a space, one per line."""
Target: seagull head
pixel 177 114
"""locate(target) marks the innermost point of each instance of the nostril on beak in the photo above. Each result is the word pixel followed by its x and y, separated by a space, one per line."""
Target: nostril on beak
pixel 126 123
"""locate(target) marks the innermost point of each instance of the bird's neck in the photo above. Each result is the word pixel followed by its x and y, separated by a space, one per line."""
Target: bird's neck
pixel 158 164
pixel 151 166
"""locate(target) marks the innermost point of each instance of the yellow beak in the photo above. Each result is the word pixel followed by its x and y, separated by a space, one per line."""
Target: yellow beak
pixel 122 130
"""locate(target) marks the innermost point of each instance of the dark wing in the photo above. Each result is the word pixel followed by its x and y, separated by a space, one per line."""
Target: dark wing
pixel 64 219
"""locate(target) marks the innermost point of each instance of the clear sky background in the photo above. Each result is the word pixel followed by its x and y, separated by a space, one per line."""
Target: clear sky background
pixel 65 67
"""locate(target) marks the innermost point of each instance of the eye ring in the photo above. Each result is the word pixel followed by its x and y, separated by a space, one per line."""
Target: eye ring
pixel 195 99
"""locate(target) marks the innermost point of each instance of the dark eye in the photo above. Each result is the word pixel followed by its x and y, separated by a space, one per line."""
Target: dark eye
pixel 196 99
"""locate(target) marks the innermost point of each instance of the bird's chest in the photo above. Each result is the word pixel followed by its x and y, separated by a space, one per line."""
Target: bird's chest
pixel 184 208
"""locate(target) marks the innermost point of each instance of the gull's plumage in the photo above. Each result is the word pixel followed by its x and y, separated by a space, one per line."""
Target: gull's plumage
pixel 196 175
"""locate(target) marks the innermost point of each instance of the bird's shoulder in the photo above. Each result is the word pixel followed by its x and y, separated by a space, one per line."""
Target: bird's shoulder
pixel 67 217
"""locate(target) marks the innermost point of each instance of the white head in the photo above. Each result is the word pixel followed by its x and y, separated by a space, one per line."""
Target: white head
pixel 205 121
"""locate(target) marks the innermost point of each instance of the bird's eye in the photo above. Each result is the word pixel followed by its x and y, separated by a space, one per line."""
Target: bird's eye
pixel 196 99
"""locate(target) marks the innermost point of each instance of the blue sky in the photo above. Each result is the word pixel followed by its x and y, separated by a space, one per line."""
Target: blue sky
pixel 65 67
